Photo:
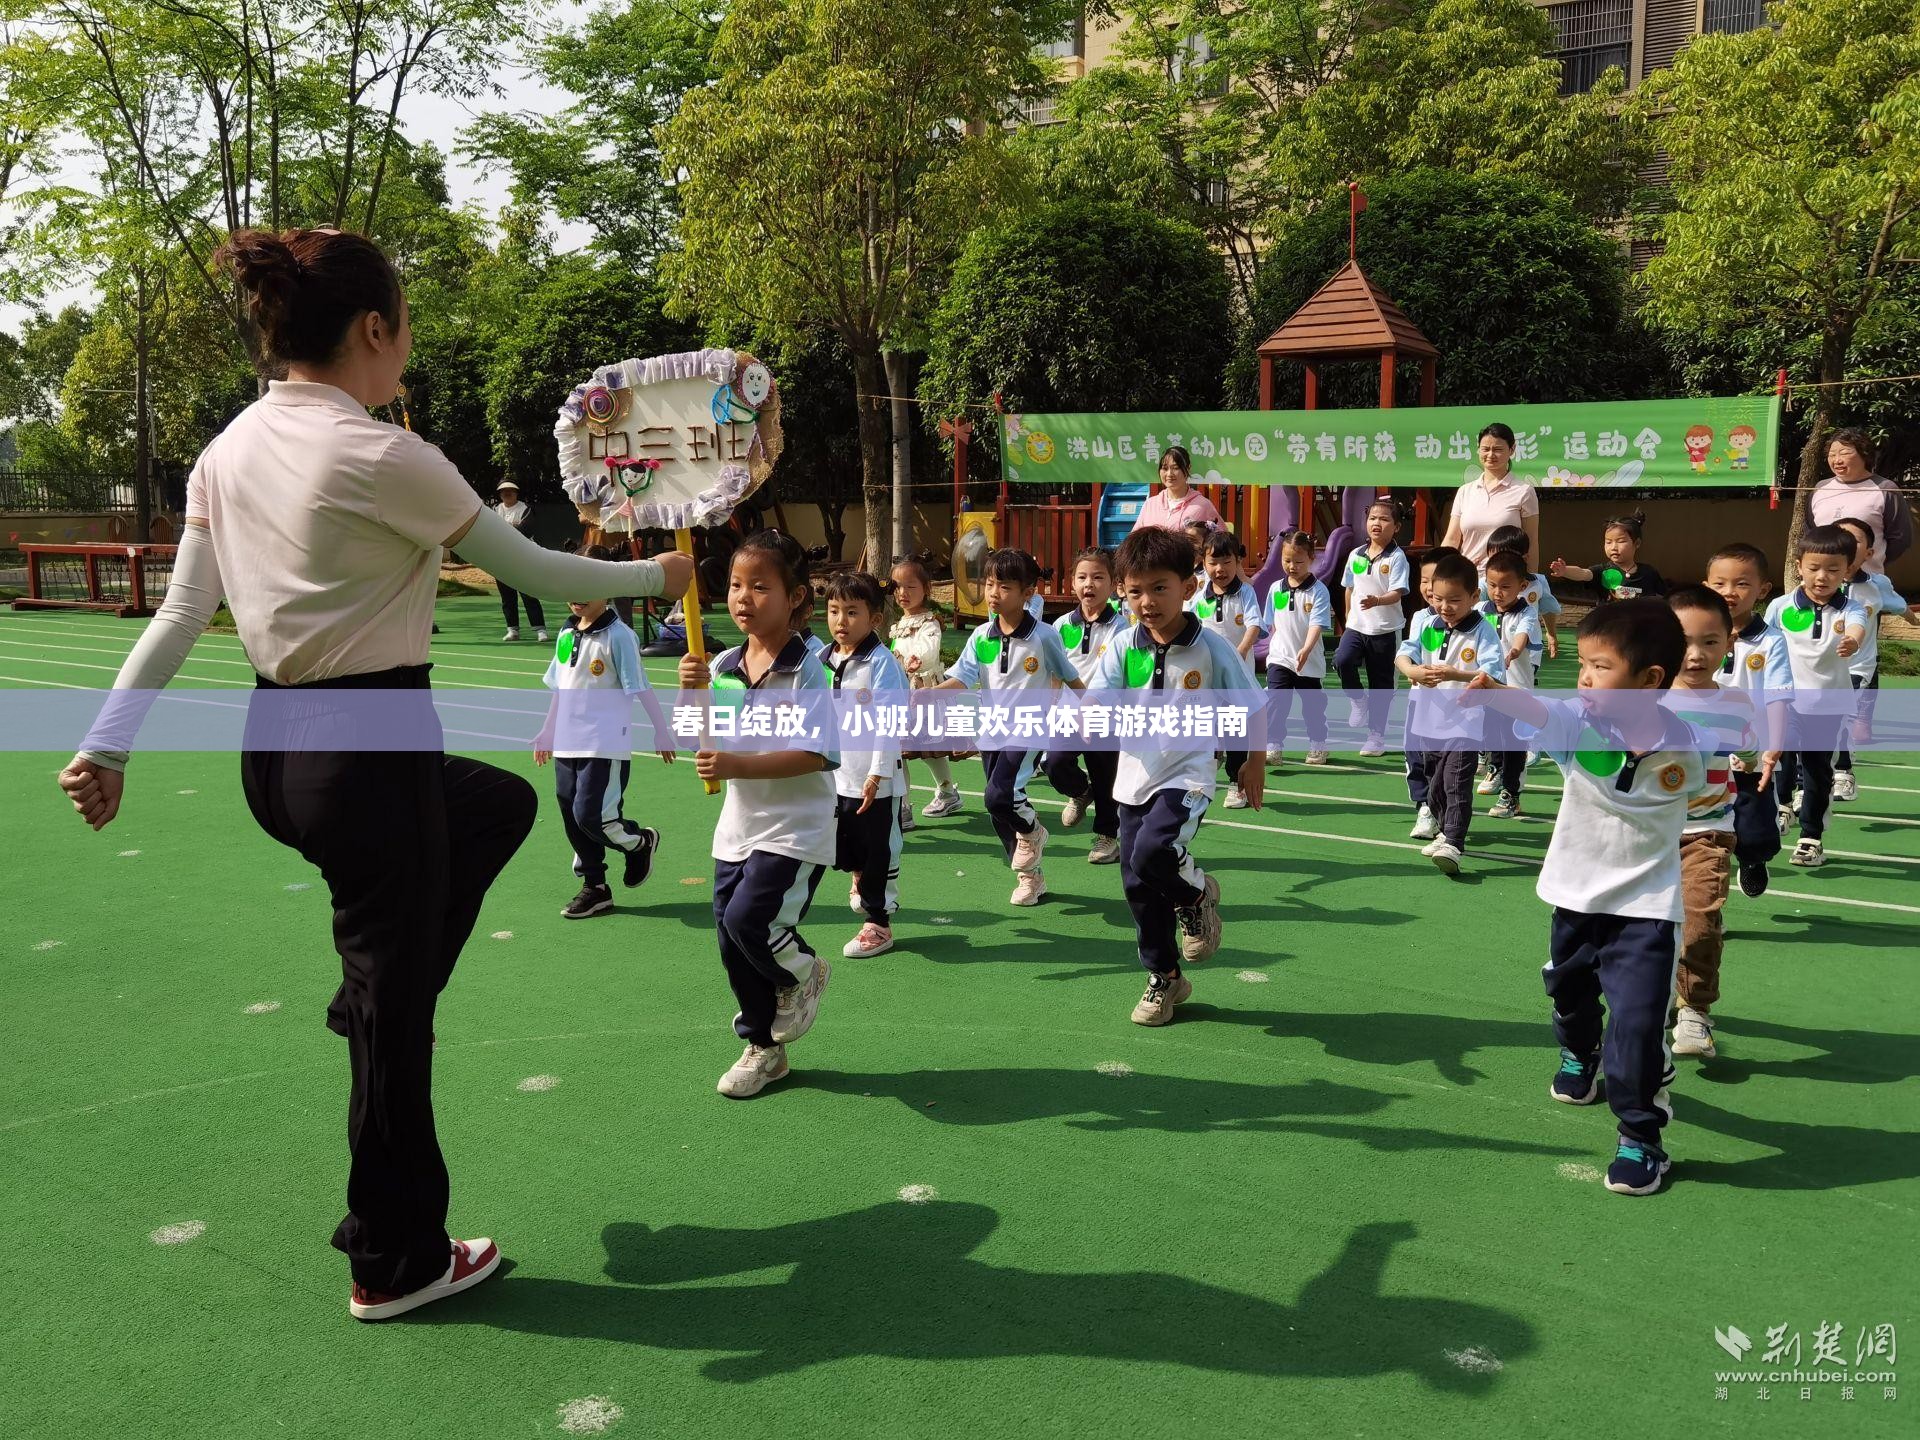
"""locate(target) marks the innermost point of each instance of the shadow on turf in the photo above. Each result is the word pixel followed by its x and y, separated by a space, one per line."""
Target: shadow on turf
pixel 899 1281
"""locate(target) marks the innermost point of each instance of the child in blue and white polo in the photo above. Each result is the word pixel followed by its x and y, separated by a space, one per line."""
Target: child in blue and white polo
pixel 1300 616
pixel 1228 606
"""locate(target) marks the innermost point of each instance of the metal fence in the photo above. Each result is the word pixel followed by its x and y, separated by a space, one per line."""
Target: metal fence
pixel 93 494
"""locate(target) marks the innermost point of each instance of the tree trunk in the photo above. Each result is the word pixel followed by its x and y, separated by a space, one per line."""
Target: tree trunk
pixel 869 377
pixel 1833 367
pixel 899 382
pixel 142 420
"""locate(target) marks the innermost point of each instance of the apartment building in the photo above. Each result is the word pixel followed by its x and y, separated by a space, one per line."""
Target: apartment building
pixel 1639 36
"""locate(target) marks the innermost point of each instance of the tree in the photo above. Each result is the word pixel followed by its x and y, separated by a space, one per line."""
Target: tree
pixel 33 364
pixel 1795 162
pixel 1081 306
pixel 833 168
pixel 1523 297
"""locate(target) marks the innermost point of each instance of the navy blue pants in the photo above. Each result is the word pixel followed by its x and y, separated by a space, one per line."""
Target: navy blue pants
pixel 1510 764
pixel 1095 783
pixel 1843 756
pixel 1008 772
pixel 1417 759
pixel 1374 653
pixel 1756 827
pixel 1450 790
pixel 1158 873
pixel 510 607
pixel 758 904
pixel 1809 766
pixel 869 846
pixel 591 793
pixel 1628 964
pixel 1282 682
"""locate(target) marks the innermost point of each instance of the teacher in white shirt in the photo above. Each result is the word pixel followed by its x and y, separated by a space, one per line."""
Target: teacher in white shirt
pixel 323 529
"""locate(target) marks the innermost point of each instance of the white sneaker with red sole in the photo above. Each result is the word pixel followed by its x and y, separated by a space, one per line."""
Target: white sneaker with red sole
pixel 472 1262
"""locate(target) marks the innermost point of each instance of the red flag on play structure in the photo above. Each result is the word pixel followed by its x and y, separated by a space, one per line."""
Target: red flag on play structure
pixel 1359 196
pixel 1356 202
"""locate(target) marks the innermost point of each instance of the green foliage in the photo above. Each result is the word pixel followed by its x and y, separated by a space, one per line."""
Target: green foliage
pixel 33 364
pixel 1081 306
pixel 1523 298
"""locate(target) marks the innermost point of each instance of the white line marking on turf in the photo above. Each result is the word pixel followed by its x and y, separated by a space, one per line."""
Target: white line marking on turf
pixel 1114 1067
pixel 1843 900
pixel 1252 977
pixel 56 684
pixel 179 1234
pixel 1476 1360
pixel 589 1415
pixel 301 885
pixel 1585 1174
pixel 49 944
pixel 262 1007
pixel 918 1194
pixel 534 1084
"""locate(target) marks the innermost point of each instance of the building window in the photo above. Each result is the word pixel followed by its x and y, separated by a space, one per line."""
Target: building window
pixel 1194 57
pixel 1211 193
pixel 1594 35
pixel 1070 45
pixel 1732 17
pixel 1040 110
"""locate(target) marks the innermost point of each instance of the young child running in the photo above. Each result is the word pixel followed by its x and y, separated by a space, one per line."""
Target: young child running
pixel 1085 633
pixel 1875 595
pixel 1377 582
pixel 1012 651
pixel 868 785
pixel 1823 630
pixel 776 835
pixel 1163 793
pixel 1518 624
pixel 1301 613
pixel 595 674
pixel 1725 712
pixel 1756 664
pixel 1612 872
pixel 1425 827
pixel 916 637
pixel 1456 647
pixel 1621 576
pixel 1539 591
pixel 1228 606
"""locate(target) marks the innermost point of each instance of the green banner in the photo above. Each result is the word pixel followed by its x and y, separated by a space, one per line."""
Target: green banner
pixel 1626 444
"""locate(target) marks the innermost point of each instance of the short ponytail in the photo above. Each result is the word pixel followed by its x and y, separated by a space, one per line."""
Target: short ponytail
pixel 304 288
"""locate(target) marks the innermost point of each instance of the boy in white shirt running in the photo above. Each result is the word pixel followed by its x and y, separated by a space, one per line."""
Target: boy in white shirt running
pixel 1518 622
pixel 867 785
pixel 1757 665
pixel 1086 632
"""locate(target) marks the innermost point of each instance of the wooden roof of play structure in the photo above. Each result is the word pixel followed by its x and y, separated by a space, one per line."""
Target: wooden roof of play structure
pixel 1349 315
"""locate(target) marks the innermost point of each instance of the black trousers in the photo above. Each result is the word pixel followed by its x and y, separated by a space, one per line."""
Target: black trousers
pixel 1008 772
pixel 510 607
pixel 1509 763
pixel 1375 653
pixel 1095 783
pixel 1756 828
pixel 1629 965
pixel 758 904
pixel 869 846
pixel 1417 760
pixel 1157 873
pixel 1809 766
pixel 1450 791
pixel 1282 682
pixel 591 793
pixel 1843 755
pixel 408 843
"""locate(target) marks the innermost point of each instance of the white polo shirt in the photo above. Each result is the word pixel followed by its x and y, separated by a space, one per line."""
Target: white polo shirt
pixel 1198 660
pixel 1471 643
pixel 327 524
pixel 1875 596
pixel 1813 634
pixel 1291 613
pixel 1085 641
pixel 870 675
pixel 792 817
pixel 1031 658
pixel 1758 662
pixel 603 658
pixel 1518 625
pixel 1616 842
pixel 1230 613
pixel 1366 576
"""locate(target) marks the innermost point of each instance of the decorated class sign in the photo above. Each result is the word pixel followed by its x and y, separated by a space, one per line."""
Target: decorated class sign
pixel 1630 444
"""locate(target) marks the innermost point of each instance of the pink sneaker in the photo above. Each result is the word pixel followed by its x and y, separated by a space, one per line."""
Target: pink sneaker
pixel 872 940
pixel 472 1262
pixel 1028 848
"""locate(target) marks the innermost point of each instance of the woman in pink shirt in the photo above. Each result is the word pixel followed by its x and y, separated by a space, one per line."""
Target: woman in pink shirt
pixel 1176 503
pixel 1492 501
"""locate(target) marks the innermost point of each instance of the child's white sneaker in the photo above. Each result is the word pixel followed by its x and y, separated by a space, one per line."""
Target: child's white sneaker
pixel 1809 854
pixel 1074 811
pixel 947 800
pixel 1507 807
pixel 1845 787
pixel 1489 783
pixel 1425 827
pixel 1030 888
pixel 1200 924
pixel 1376 744
pixel 853 893
pixel 872 940
pixel 1316 757
pixel 543 637
pixel 758 1067
pixel 1445 856
pixel 1236 799
pixel 1693 1034
pixel 1785 816
pixel 1028 848
pixel 1105 851
pixel 1275 755
pixel 1431 845
pixel 906 814
pixel 512 634
pixel 797 1006
pixel 1356 714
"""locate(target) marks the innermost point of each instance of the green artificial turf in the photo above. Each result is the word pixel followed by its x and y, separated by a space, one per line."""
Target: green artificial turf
pixel 1333 1198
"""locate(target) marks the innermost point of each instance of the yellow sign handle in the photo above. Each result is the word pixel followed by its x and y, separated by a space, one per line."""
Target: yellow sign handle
pixel 690 616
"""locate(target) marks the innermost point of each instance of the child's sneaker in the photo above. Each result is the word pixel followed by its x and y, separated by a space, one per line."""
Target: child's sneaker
pixel 853 893
pixel 758 1067
pixel 543 637
pixel 1425 826
pixel 1845 787
pixel 1445 856
pixel 1236 799
pixel 1489 783
pixel 797 1006
pixel 1028 848
pixel 1275 755
pixel 1316 757
pixel 1809 854
pixel 872 940
pixel 640 859
pixel 1074 811
pixel 1753 878
pixel 1105 851
pixel 1356 714
pixel 947 800
pixel 592 900
pixel 509 637
pixel 1637 1168
pixel 1431 846
pixel 1376 744
pixel 1163 993
pixel 1200 924
pixel 1693 1034
pixel 1534 757
pixel 1507 807
pixel 1784 815
pixel 906 814
pixel 472 1261
pixel 1577 1081
pixel 1030 888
